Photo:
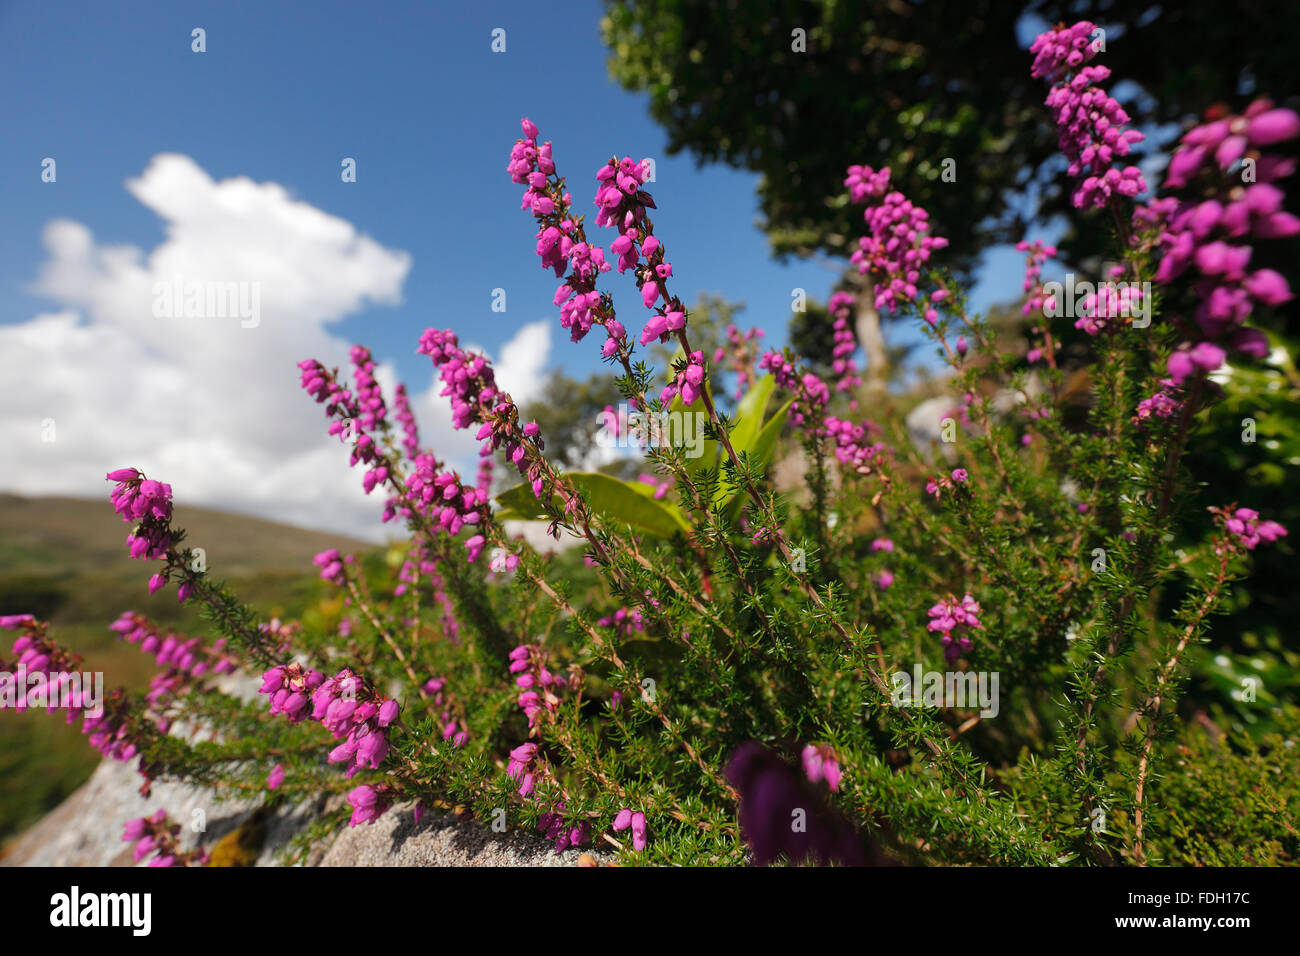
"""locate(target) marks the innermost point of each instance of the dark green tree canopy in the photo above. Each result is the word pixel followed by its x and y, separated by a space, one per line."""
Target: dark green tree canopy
pixel 910 84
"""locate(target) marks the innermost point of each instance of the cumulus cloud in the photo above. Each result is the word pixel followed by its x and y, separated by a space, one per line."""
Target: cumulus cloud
pixel 517 369
pixel 196 389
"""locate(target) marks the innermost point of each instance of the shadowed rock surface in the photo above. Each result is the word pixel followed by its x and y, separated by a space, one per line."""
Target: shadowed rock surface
pixel 86 830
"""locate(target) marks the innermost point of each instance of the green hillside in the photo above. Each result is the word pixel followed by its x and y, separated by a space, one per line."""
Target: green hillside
pixel 65 560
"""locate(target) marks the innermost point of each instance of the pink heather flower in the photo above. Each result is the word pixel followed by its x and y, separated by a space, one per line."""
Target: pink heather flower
pixel 820 763
pixel 739 355
pixel 406 418
pixel 143 849
pixel 884 579
pixel 846 343
pixel 688 383
pixel 951 615
pixel 147 505
pixel 368 803
pixel 156 834
pixel 1091 123
pixel 852 449
pixel 275 777
pixel 521 767
pixel 350 710
pixel 1208 233
pixel 447 502
pixel 1245 528
pixel 650 294
pixel 452 728
pixel 290 687
pixel 624 621
pixel 537 683
pixel 370 397
pixel 1186 363
pixel 1273 126
pixel 134 830
pixel 812 395
pixel 622 203
pixel 661 487
pixel 187 661
pixel 554 826
pixel 865 183
pixel 475 399
pixel 638 830
pixel 331 564
pixel 1165 403
pixel 959 475
pixel 635 820
pixel 1061 50
pixel 899 244
pixel 1099 310
pixel 1032 286
pixel 1268 287
pixel 882 544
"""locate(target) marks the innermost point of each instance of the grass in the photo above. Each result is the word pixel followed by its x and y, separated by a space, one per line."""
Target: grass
pixel 65 560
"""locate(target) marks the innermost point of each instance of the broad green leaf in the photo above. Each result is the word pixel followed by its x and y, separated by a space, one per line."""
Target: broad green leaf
pixel 631 503
pixel 759 452
pixel 749 414
pixel 766 441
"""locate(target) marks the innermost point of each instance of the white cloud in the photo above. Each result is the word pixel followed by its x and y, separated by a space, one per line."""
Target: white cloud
pixel 205 403
pixel 521 369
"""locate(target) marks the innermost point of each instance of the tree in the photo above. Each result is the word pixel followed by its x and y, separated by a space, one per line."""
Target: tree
pixel 796 89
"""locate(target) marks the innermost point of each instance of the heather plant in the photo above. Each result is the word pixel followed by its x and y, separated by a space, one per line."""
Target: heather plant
pixel 952 652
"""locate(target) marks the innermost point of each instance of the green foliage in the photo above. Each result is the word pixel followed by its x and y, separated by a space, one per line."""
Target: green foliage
pixel 62 560
pixel 625 502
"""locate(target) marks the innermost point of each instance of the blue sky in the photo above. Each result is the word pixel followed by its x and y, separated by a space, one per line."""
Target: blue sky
pixel 413 93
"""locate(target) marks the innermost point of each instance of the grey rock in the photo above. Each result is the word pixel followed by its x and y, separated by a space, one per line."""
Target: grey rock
pixel 86 830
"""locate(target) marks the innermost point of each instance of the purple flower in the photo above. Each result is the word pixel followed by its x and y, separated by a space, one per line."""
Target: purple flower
pixel 784 816
pixel 819 763
pixel 899 244
pixel 1245 528
pixel 368 803
pixel 951 615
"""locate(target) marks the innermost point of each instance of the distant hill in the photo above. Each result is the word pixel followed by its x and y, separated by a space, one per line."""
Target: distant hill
pixel 76 533
pixel 65 560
